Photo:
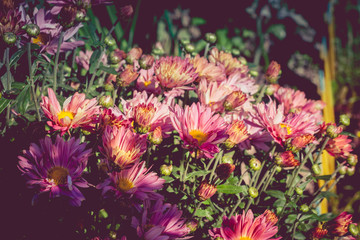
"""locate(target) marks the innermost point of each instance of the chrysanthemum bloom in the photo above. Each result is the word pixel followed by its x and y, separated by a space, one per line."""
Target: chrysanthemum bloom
pixel 293 100
pixel 245 227
pixel 76 112
pixel 208 71
pixel 318 232
pixel 135 182
pixel 199 128
pixel 286 159
pixel 126 77
pixel 84 4
pixel 339 146
pixel 122 146
pixel 239 81
pixel 56 168
pixel 270 217
pixel 300 142
pixel 84 59
pixel 205 191
pixel 213 94
pixel 339 226
pixel 112 117
pixel 174 72
pixel 160 221
pixel 146 81
pixel 230 63
pixel 237 133
pixel 11 22
pixel 273 72
pixel 234 100
pixel 147 112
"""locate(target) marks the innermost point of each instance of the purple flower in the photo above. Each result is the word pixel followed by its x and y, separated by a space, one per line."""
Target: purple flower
pixel 160 222
pixel 56 168
pixel 81 4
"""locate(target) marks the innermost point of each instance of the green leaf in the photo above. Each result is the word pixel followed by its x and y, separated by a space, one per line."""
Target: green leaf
pixel 197 21
pixel 108 69
pixel 276 194
pixel 231 189
pixel 168 179
pixel 299 235
pixel 204 213
pixel 93 60
pixel 323 177
pixel 348 134
pixel 279 203
pixel 16 56
pixel 278 30
pixel 4 102
pixel 196 174
pixel 326 195
pixel 23 100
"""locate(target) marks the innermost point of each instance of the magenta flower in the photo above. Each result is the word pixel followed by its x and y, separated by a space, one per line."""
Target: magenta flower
pixel 160 222
pixel 122 146
pixel 56 168
pixel 199 128
pixel 76 112
pixel 136 182
pixel 83 4
pixel 246 227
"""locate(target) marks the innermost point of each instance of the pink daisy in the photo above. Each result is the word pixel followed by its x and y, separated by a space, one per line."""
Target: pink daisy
pixel 339 146
pixel 199 128
pixel 76 112
pixel 136 182
pixel 56 168
pixel 246 227
pixel 160 222
pixel 213 94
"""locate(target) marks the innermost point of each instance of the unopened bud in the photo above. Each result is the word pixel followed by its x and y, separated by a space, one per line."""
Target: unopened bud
pixel 352 160
pixel 350 171
pixel 224 170
pixel 106 101
pixel 184 42
pixel 110 41
pixel 227 159
pixel 205 191
pixel 316 169
pixel 253 192
pixel 192 225
pixel 166 169
pixel 278 168
pixel 299 191
pixel 235 52
pixel 354 230
pixel 333 131
pixel 189 48
pixel 32 30
pixel 304 208
pixel 9 38
pixel 109 87
pixel 342 170
pixel 344 120
pixel 273 72
pixel 146 61
pixel 116 56
pixel 155 137
pixel 67 16
pixel 126 11
pixel 133 54
pixel 255 164
pixel 210 38
pixel 234 100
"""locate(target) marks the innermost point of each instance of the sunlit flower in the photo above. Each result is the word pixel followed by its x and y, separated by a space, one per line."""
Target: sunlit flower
pixel 239 81
pixel 339 226
pixel 76 111
pixel 135 182
pixel 339 146
pixel 160 221
pixel 230 63
pixel 122 146
pixel 213 94
pixel 234 100
pixel 56 168
pixel 199 128
pixel 237 133
pixel 174 72
pixel 293 100
pixel 147 82
pixel 301 141
pixel 286 159
pixel 208 71
pixel 245 227
pixel 112 117
pixel 205 191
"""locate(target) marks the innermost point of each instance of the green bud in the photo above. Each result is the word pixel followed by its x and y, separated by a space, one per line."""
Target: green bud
pixel 189 48
pixel 32 30
pixel 9 38
pixel 353 229
pixel 304 208
pixel 352 160
pixel 299 191
pixel 342 170
pixel 253 192
pixel 166 169
pixel 350 171
pixel 333 131
pixel 254 73
pixel 278 168
pixel 106 101
pixel 80 16
pixel 344 120
pixel 235 52
pixel 210 38
pixel 110 41
pixel 316 169
pixel 227 159
pixel 157 52
pixel 242 60
pixel 184 42
pixel 109 87
pixel 85 132
pixel 255 164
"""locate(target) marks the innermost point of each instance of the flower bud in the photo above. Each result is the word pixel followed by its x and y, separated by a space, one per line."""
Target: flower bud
pixel 344 120
pixel 155 137
pixel 189 48
pixel 205 191
pixel 253 192
pixel 304 208
pixel 146 61
pixel 106 101
pixel 234 100
pixel 224 170
pixel 340 225
pixel 126 12
pixel 278 168
pixel 9 38
pixel 352 159
pixel 342 170
pixel 333 131
pixel 192 225
pixel 316 169
pixel 80 16
pixel 109 87
pixel 110 41
pixel 210 38
pixel 350 171
pixel 166 169
pixel 134 54
pixel 318 233
pixel 125 78
pixel 354 230
pixel 227 159
pixel 235 52
pixel 67 16
pixel 255 164
pixel 273 72
pixel 286 159
pixel 116 56
pixel 184 41
pixel 32 30
pixel 299 191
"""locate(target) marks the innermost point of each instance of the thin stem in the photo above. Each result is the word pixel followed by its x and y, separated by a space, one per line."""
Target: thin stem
pixel 57 59
pixel 219 156
pixel 235 207
pixel 207 46
pixel 270 178
pixel 321 150
pixel 31 77
pixel 261 94
pixel 133 24
pixel 248 204
pixel 196 208
pixel 207 167
pixel 8 75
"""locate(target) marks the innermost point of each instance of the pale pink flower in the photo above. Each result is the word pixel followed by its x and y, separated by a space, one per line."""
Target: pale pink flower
pixel 241 81
pixel 246 227
pixel 76 112
pixel 208 71
pixel 293 100
pixel 213 94
pixel 161 221
pixel 230 63
pixel 199 128
pixel 122 146
pixel 147 82
pixel 339 146
pixel 56 167
pixel 135 182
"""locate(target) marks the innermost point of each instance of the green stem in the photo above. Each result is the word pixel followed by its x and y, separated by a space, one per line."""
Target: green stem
pixel 248 204
pixel 219 156
pixel 207 167
pixel 57 60
pixel 266 185
pixel 322 149
pixel 196 208
pixel 235 207
pixel 206 50
pixel 261 94
pixel 8 75
pixel 31 77
pixel 133 24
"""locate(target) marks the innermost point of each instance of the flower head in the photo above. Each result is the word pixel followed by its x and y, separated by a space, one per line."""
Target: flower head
pixel 160 221
pixel 199 128
pixel 230 64
pixel 126 77
pixel 56 167
pixel 339 146
pixel 112 117
pixel 76 112
pixel 286 159
pixel 245 227
pixel 122 146
pixel 237 133
pixel 318 232
pixel 136 182
pixel 273 72
pixel 11 22
pixel 339 226
pixel 205 191
pixel 208 71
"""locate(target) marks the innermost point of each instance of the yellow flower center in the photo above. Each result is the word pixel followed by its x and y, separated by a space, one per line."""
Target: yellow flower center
pixel 199 136
pixel 245 238
pixel 288 128
pixel 58 175
pixel 147 83
pixel 41 39
pixel 64 114
pixel 125 184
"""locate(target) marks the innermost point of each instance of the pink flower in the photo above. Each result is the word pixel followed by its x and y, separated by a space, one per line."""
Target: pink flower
pixel 56 168
pixel 122 146
pixel 339 226
pixel 230 63
pixel 208 71
pixel 199 128
pixel 76 112
pixel 213 94
pixel 293 100
pixel 339 146
pixel 147 82
pixel 112 117
pixel 246 227
pixel 136 182
pixel 160 221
